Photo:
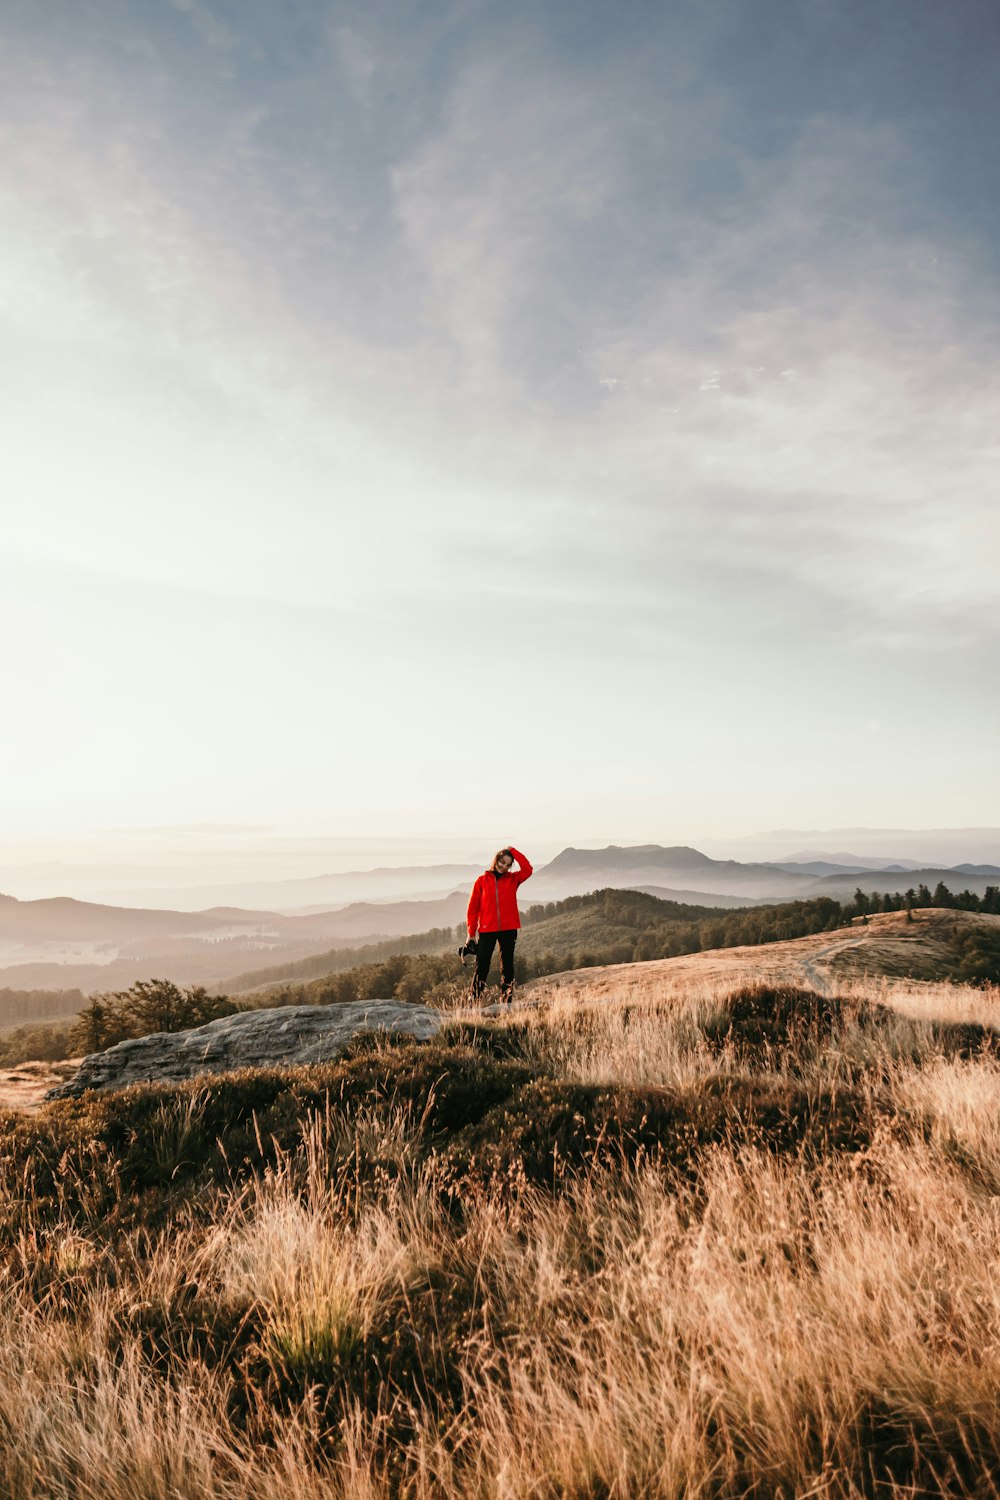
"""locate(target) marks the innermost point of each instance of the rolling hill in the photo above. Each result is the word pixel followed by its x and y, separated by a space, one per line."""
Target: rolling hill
pixel 60 943
pixel 887 946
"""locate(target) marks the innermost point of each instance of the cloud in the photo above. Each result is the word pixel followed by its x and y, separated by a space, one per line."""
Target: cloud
pixel 601 409
pixel 207 25
pixel 476 319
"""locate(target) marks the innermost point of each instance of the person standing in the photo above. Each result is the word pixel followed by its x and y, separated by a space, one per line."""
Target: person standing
pixel 493 918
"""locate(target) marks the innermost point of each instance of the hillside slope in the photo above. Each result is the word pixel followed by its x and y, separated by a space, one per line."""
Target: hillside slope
pixel 888 946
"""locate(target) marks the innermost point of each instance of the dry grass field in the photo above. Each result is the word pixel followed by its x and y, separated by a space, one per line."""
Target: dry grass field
pixel 886 947
pixel 659 1234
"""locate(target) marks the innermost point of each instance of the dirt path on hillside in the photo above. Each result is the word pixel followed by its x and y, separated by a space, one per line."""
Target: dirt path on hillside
pixel 820 980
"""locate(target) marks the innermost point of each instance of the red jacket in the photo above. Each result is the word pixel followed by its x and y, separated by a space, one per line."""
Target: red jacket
pixel 493 903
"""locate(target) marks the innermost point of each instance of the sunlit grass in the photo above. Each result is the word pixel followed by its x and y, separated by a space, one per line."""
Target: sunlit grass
pixel 350 1318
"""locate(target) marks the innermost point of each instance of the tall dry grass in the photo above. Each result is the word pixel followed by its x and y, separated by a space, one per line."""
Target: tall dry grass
pixel 343 1326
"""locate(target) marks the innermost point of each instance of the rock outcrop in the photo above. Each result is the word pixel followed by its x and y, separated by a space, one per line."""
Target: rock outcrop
pixel 252 1038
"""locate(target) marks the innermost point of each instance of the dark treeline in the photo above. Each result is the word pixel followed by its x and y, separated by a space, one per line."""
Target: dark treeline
pixel 628 907
pixel 867 905
pixel 37 1005
pixel 46 1020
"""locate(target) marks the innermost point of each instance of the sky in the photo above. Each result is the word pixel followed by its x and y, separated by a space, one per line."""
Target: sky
pixel 553 422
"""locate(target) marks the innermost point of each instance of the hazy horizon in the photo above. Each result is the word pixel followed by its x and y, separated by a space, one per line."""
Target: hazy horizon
pixel 125 865
pixel 541 419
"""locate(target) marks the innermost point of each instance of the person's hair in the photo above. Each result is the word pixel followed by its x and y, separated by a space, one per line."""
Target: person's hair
pixel 498 854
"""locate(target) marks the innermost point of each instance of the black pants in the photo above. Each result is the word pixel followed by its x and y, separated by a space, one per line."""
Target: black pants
pixel 485 944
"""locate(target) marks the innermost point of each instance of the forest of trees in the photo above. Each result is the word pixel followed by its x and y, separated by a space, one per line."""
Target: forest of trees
pixel 37 1005
pixel 867 905
pixel 618 926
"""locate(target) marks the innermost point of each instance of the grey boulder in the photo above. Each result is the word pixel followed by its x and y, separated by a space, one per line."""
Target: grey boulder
pixel 250 1039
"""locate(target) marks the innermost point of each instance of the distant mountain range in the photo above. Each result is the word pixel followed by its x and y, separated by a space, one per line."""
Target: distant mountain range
pixel 652 864
pixel 846 866
pixel 921 848
pixel 60 942
pixel 697 898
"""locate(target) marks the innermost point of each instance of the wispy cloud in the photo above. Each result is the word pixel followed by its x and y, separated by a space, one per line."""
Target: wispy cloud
pixel 615 332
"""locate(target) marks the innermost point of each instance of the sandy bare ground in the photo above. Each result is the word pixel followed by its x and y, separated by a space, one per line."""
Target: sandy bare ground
pixel 23 1087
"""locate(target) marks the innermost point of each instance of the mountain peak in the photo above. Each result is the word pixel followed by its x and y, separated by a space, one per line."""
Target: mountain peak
pixel 630 857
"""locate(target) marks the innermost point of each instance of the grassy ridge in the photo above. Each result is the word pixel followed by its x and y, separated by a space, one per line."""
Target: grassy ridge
pixel 738 1246
pixel 606 926
pixel 613 926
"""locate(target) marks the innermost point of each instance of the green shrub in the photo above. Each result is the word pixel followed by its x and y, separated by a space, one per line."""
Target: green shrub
pixel 498 1038
pixel 760 1024
pixel 977 955
pixel 150 1005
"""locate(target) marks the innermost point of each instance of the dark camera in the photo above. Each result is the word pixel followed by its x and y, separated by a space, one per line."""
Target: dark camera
pixel 469 949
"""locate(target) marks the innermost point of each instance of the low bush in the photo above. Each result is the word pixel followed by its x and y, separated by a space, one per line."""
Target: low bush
pixel 129 1157
pixel 549 1129
pixel 149 1006
pixel 780 1027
